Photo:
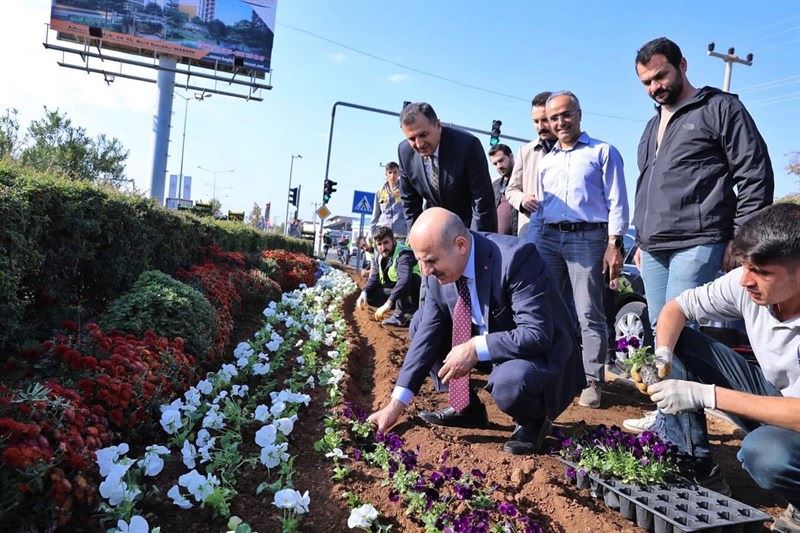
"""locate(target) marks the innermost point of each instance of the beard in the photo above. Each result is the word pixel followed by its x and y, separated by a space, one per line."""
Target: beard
pixel 670 95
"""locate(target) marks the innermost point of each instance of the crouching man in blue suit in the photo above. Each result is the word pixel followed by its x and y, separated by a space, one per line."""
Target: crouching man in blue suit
pixel 515 319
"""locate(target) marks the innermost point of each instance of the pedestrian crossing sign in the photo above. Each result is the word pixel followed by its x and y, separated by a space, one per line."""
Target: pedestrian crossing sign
pixel 363 202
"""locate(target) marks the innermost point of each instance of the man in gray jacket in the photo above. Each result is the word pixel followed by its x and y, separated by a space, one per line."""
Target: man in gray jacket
pixel 699 145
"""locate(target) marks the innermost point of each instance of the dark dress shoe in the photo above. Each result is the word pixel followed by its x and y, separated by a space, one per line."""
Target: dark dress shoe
pixel 474 416
pixel 529 438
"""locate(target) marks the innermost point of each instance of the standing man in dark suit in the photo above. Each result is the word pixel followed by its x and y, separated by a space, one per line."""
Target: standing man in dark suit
pixel 514 318
pixel 443 167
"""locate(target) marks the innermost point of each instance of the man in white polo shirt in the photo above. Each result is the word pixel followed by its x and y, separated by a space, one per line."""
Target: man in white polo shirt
pixel 763 398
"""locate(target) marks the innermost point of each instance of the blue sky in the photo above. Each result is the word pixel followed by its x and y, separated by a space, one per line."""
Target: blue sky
pixel 515 49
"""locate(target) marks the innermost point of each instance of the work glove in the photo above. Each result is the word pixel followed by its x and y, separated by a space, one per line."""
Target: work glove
pixel 664 355
pixel 361 303
pixel 675 396
pixel 383 311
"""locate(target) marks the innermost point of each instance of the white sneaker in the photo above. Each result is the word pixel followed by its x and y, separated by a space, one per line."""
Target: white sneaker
pixel 638 425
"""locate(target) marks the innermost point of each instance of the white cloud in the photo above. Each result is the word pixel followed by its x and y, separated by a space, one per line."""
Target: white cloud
pixel 397 78
pixel 338 57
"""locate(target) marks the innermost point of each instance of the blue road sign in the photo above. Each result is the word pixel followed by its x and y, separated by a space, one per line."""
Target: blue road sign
pixel 363 202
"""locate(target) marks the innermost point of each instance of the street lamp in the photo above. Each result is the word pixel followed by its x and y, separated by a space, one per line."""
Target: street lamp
pixel 291 167
pixel 197 96
pixel 215 172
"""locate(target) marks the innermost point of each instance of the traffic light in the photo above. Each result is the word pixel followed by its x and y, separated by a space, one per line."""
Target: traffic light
pixel 495 138
pixel 327 190
pixel 293 196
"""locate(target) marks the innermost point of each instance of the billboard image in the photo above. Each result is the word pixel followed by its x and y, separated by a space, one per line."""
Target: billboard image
pixel 230 35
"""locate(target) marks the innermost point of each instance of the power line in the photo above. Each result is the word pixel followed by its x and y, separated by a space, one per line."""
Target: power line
pixel 771 35
pixel 770 82
pixel 438 77
pixel 775 100
pixel 776 46
pixel 772 87
pixel 751 32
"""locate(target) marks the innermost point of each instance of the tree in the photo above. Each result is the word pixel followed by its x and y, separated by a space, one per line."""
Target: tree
pixel 153 9
pixel 55 145
pixel 217 29
pixel 793 168
pixel 254 219
pixel 9 134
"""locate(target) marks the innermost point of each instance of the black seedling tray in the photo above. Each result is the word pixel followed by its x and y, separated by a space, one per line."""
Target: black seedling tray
pixel 681 506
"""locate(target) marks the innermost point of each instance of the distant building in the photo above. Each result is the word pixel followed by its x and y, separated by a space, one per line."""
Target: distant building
pixel 189 8
pixel 207 10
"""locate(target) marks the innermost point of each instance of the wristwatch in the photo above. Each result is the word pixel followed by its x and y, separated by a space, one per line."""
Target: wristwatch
pixel 616 242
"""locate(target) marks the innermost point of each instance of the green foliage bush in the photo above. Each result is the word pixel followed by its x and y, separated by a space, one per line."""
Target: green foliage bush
pixel 70 247
pixel 168 307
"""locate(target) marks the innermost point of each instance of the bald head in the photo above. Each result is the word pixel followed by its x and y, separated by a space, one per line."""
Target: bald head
pixel 441 244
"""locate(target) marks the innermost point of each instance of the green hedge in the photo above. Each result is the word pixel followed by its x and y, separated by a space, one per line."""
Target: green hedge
pixel 68 248
pixel 170 308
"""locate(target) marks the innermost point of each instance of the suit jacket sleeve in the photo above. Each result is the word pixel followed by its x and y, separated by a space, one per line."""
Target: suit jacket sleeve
pixel 530 302
pixel 412 199
pixel 484 213
pixel 430 342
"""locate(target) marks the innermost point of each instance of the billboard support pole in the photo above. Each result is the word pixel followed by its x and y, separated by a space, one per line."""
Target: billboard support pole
pixel 163 119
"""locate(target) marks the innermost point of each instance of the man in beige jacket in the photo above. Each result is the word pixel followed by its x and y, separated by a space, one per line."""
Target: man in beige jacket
pixel 524 190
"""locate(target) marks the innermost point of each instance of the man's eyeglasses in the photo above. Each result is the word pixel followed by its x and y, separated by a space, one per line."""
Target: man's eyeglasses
pixel 566 115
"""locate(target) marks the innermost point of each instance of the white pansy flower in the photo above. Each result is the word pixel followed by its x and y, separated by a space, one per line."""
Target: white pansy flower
pixel 266 435
pixel 205 386
pixel 300 359
pixel 189 454
pixel 107 457
pixel 277 408
pixel 362 517
pixel 214 419
pixel 260 369
pixel 292 499
pixel 171 421
pixel 286 425
pixel 152 463
pixel 243 349
pixel 203 436
pixel 137 525
pixel 274 454
pixel 261 413
pixel 178 499
pixel 336 453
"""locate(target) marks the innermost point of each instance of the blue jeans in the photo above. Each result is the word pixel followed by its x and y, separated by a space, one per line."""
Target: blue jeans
pixel 576 258
pixel 770 454
pixel 667 273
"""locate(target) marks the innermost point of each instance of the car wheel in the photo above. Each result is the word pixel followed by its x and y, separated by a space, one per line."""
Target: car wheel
pixel 632 321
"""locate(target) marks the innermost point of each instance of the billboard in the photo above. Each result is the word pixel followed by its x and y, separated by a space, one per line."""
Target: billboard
pixel 230 35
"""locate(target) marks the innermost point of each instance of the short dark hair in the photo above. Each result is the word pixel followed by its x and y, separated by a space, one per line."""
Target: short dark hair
pixel 381 232
pixel 540 99
pixel 391 164
pixel 770 236
pixel 662 46
pixel 409 113
pixel 498 148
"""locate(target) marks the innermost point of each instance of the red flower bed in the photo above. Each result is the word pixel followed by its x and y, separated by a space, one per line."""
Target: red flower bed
pixel 87 389
pixel 91 389
pixel 292 269
pixel 225 280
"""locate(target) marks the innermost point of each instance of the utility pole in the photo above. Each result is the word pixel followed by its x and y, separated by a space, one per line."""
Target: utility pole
pixel 730 58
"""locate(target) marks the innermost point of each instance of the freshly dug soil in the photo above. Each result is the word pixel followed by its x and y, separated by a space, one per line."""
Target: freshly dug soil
pixel 535 483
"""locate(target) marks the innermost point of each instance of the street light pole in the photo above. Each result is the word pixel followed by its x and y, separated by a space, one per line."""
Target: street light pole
pixel 199 97
pixel 214 172
pixel 291 168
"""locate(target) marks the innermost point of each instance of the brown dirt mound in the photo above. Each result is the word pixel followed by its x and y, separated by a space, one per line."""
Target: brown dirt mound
pixel 536 483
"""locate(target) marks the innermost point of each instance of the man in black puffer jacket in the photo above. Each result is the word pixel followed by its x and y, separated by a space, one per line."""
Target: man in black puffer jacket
pixel 699 145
